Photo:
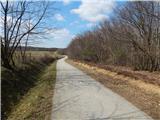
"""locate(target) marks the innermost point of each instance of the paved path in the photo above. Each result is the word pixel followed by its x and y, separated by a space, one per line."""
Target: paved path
pixel 79 97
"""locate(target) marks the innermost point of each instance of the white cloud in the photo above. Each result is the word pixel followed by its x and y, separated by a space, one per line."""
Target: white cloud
pixel 61 34
pixel 74 23
pixel 89 25
pixel 59 38
pixel 94 10
pixel 59 17
pixel 66 2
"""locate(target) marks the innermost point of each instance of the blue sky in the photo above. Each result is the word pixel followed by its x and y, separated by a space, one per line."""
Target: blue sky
pixel 74 17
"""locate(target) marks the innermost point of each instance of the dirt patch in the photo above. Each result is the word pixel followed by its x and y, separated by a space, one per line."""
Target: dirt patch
pixel 144 95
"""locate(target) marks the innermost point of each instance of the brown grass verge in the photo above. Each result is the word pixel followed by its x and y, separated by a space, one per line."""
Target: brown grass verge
pixel 148 77
pixel 144 95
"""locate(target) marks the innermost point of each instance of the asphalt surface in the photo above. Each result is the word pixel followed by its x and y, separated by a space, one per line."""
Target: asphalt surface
pixel 77 96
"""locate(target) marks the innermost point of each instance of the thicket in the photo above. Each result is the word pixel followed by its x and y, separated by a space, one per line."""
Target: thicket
pixel 130 38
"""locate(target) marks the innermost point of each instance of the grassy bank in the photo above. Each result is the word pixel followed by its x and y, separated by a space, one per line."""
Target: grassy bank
pixel 37 103
pixel 16 83
pixel 143 94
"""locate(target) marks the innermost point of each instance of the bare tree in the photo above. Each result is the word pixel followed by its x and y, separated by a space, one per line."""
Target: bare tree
pixel 131 38
pixel 143 29
pixel 20 20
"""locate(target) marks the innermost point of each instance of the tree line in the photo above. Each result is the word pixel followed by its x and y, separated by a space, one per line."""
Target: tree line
pixel 130 38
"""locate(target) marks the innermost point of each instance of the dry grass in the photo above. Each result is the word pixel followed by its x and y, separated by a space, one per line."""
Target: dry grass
pixel 41 53
pixel 37 103
pixel 144 95
pixel 148 77
pixel 34 56
pixel 15 84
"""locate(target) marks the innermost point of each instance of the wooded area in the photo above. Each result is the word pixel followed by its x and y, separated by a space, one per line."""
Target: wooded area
pixel 130 38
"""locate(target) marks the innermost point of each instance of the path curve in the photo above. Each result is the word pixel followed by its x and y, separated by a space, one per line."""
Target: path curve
pixel 77 96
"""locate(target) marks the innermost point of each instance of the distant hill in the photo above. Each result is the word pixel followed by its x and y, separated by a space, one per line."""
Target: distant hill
pixel 30 48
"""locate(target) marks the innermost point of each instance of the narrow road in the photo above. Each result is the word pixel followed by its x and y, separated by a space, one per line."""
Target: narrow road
pixel 77 96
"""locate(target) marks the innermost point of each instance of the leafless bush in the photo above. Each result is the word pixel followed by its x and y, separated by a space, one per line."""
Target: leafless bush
pixel 46 59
